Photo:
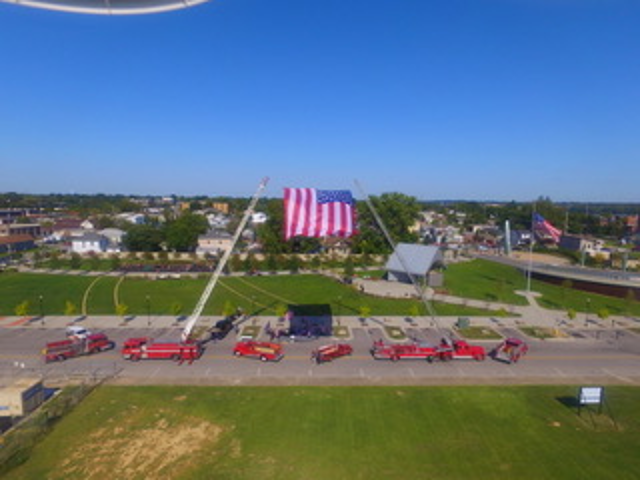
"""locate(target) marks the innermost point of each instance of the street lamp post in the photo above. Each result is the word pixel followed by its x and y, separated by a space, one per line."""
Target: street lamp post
pixel 148 311
pixel 586 314
pixel 41 310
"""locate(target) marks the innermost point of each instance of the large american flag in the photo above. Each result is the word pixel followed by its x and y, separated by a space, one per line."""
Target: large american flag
pixel 545 228
pixel 318 213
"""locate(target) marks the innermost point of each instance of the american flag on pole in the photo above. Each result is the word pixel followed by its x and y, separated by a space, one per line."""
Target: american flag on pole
pixel 545 228
pixel 318 213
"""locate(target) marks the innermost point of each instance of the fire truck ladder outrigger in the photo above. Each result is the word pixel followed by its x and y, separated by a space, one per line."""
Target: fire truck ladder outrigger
pixel 204 298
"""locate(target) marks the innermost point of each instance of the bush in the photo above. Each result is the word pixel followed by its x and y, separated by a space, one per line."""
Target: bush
pixel 22 309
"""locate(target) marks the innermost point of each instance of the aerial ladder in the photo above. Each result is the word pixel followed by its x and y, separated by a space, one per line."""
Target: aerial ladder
pixel 204 298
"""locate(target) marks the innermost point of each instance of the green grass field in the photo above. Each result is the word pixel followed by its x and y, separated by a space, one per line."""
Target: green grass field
pixel 366 433
pixel 489 281
pixel 258 295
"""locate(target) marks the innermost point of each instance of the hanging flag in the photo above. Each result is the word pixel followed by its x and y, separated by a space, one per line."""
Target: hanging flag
pixel 545 228
pixel 318 213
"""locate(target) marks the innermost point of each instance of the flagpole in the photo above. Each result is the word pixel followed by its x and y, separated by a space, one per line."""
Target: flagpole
pixel 531 241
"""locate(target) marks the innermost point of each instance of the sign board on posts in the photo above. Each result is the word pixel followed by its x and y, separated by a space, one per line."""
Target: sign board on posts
pixel 591 395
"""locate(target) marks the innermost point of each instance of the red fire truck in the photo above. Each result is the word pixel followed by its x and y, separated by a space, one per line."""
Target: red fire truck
pixel 326 353
pixel 510 350
pixel 265 351
pixel 76 346
pixel 460 350
pixel 135 349
pixel 410 351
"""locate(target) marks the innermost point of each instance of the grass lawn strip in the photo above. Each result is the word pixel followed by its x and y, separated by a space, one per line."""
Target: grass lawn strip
pixel 312 433
pixel 479 333
pixel 542 333
pixel 166 294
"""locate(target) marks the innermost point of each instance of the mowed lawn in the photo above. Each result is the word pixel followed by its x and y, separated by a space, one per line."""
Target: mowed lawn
pixel 341 433
pixel 484 280
pixel 490 281
pixel 16 288
pixel 260 295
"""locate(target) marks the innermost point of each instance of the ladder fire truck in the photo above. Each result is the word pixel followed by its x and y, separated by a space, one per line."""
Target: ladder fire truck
pixel 140 348
pixel 76 346
pixel 407 351
pixel 188 349
pixel 460 350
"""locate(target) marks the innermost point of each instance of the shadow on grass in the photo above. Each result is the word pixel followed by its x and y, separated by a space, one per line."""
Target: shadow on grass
pixel 568 401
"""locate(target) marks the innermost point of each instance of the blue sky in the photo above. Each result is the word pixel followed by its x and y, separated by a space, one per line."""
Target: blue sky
pixel 441 99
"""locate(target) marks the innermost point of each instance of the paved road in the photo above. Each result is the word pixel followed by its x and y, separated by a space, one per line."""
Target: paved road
pixel 587 356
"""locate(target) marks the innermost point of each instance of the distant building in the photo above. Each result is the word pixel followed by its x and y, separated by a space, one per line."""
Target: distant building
pixel 33 229
pixel 67 228
pixel 134 218
pixel 420 260
pixel 16 243
pixel 214 242
pixel 578 243
pixel 221 207
pixel 90 242
pixel 258 217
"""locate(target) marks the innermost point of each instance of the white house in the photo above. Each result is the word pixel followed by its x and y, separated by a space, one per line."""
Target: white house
pixel 135 218
pixel 89 243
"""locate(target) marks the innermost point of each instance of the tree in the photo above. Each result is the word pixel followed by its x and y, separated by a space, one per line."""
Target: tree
pixel 235 263
pixel 176 308
pixel 571 314
pixel 365 311
pixel 603 313
pixel 228 309
pixel 182 233
pixel 75 261
pixel 397 211
pixel 293 264
pixel 94 262
pixel 114 262
pixel 281 310
pixel 70 308
pixel 348 267
pixel 122 309
pixel 22 309
pixel 144 238
pixel 315 262
pixel 271 263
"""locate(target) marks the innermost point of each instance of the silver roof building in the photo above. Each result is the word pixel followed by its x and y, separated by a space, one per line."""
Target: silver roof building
pixel 109 7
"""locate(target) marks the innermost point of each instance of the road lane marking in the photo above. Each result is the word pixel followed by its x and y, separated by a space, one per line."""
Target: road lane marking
pixel 619 377
pixel 559 372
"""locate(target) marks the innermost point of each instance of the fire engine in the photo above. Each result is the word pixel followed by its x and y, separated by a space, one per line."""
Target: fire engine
pixel 326 353
pixel 265 351
pixel 510 350
pixel 411 351
pixel 460 350
pixel 76 346
pixel 146 348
